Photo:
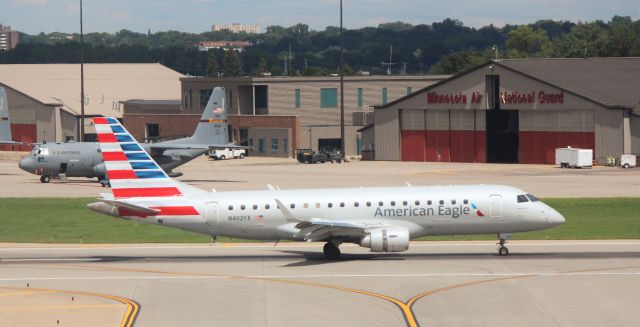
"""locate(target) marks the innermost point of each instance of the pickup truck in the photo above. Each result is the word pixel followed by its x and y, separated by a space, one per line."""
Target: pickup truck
pixel 221 154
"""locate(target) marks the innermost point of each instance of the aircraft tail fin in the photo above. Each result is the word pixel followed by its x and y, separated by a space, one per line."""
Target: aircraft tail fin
pixel 5 124
pixel 213 127
pixel 132 173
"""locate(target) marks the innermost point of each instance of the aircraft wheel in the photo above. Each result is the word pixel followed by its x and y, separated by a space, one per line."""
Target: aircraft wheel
pixel 503 251
pixel 222 157
pixel 241 155
pixel 331 251
pixel 45 179
pixel 626 165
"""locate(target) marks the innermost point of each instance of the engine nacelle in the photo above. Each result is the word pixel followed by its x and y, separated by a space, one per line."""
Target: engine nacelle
pixel 100 170
pixel 392 239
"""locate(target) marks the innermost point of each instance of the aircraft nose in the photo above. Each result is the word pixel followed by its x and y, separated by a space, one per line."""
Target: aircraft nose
pixel 554 217
pixel 27 164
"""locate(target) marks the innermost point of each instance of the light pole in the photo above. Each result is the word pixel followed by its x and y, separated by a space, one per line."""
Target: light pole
pixel 81 138
pixel 342 148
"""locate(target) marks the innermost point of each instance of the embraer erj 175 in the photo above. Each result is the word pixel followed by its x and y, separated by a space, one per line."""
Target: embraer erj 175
pixel 382 219
pixel 83 159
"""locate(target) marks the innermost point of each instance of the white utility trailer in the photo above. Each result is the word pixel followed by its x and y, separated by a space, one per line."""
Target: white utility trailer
pixel 574 158
pixel 628 160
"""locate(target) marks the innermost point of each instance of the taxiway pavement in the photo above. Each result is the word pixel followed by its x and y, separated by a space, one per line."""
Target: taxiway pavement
pixel 542 283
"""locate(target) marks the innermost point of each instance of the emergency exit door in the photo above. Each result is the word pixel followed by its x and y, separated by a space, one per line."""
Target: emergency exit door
pixel 211 217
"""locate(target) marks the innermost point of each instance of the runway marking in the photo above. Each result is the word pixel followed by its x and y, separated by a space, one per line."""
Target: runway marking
pixel 406 308
pixel 130 315
pixel 23 293
pixel 59 307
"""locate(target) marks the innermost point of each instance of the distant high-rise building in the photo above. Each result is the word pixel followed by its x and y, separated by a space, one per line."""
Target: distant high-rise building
pixel 8 38
pixel 236 28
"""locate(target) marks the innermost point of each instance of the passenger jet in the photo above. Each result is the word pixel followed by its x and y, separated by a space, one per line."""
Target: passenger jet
pixel 382 219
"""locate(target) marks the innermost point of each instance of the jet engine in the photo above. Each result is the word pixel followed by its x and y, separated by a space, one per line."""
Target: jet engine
pixel 392 239
pixel 100 170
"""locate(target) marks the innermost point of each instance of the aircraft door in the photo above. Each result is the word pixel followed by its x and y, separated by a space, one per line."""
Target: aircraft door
pixel 211 217
pixel 495 201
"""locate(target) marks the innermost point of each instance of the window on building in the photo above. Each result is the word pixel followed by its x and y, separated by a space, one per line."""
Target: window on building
pixel 384 95
pixel 409 90
pixel 204 98
pixel 298 99
pixel 359 97
pixel 153 132
pixel 329 98
pixel 285 145
pixel 261 145
pixel 274 145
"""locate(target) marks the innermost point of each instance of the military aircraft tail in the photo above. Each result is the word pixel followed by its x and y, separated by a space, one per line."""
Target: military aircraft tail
pixel 5 124
pixel 130 170
pixel 213 127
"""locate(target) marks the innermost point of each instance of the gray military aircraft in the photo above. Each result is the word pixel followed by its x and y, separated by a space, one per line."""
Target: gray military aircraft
pixel 84 159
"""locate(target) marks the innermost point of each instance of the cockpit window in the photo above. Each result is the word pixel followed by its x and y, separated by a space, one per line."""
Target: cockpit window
pixel 522 198
pixel 532 198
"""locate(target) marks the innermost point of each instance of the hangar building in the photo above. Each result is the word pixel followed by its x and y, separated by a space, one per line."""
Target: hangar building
pixel 516 111
pixel 44 99
pixel 276 115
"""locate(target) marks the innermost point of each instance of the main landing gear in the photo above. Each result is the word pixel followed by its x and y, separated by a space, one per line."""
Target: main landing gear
pixel 331 251
pixel 45 179
pixel 503 237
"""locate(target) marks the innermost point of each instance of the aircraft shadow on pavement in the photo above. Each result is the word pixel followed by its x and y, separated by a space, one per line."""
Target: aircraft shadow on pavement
pixel 311 258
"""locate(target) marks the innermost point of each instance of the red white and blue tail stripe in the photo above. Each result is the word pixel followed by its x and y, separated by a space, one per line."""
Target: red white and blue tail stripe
pixel 132 173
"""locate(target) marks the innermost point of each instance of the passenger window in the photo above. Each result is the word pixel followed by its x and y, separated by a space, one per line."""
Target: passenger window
pixel 317 205
pixel 380 204
pixel 404 203
pixel 429 202
pixel 242 207
pixel 329 205
pixel 306 205
pixel 355 204
pixel 368 204
pixel 522 198
pixel 441 202
pixel 266 206
pixel 230 207
pixel 292 206
pixel 417 202
pixel 341 204
pixel 393 203
pixel 465 201
pixel 255 206
pixel 453 201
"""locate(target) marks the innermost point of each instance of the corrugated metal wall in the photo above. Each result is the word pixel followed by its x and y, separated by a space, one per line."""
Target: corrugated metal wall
pixel 609 134
pixel 635 134
pixel 387 134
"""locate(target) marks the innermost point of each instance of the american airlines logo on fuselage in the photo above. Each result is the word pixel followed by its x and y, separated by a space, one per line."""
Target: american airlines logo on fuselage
pixel 453 212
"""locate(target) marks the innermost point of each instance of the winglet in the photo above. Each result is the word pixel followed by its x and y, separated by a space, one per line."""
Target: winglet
pixel 287 214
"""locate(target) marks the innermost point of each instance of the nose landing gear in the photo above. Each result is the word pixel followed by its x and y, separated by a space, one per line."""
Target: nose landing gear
pixel 503 237
pixel 331 251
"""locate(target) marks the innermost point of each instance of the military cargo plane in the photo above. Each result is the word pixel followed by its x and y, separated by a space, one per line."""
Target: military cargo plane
pixel 382 219
pixel 84 159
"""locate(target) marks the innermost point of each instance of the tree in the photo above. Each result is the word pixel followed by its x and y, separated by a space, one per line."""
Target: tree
pixel 584 40
pixel 262 67
pixel 418 55
pixel 212 65
pixel 232 64
pixel 458 62
pixel 524 42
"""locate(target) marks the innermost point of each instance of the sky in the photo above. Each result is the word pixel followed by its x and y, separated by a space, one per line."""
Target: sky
pixel 196 16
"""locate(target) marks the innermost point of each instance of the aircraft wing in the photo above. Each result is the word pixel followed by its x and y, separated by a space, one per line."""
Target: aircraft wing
pixel 318 229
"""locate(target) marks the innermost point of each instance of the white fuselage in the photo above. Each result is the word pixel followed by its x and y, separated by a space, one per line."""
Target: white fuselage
pixel 428 210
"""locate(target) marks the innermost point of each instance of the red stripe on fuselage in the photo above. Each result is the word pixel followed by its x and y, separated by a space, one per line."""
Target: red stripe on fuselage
pixel 164 211
pixel 114 156
pixel 145 192
pixel 107 138
pixel 100 120
pixel 121 174
pixel 177 211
